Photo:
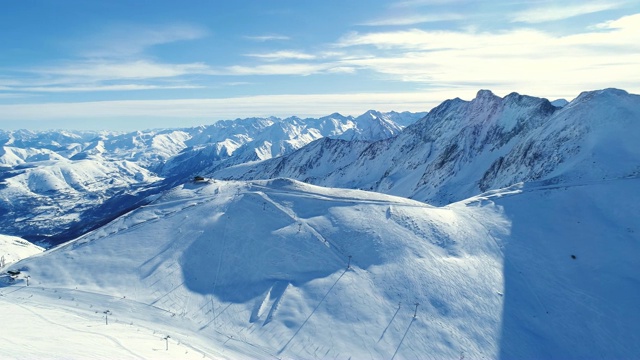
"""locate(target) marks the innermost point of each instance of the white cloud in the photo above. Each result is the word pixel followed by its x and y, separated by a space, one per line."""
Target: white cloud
pixel 625 22
pixel 416 3
pixel 263 38
pixel 105 75
pixel 283 55
pixel 439 40
pixel 413 19
pixel 113 56
pixel 560 12
pixel 237 83
pixel 278 69
pixel 11 96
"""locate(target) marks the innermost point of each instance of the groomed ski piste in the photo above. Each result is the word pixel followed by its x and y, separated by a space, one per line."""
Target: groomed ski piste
pixel 283 269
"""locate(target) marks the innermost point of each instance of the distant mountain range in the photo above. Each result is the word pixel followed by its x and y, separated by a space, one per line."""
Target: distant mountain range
pixel 56 185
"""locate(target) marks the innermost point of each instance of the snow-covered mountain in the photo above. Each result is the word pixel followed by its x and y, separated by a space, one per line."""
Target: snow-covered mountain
pixel 43 198
pixel 266 263
pixel 282 269
pixel 56 185
pixel 462 148
pixel 263 139
pixel 13 249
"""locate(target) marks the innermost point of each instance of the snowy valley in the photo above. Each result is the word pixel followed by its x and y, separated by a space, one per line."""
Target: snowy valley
pixel 491 228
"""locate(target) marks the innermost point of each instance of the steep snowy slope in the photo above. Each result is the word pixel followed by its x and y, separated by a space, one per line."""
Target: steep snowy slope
pixel 595 137
pixel 261 269
pixel 462 148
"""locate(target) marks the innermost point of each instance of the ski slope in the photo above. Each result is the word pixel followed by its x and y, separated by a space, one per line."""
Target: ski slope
pixel 260 270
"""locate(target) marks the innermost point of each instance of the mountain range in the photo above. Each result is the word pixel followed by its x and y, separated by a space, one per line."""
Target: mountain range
pixel 501 227
pixel 463 148
pixel 56 185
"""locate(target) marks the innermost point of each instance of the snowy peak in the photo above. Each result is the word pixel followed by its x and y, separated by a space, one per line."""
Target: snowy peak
pixel 485 96
pixel 372 125
pixel 543 264
pixel 559 103
pixel 604 94
pixel 461 148
pixel 371 114
pixel 591 139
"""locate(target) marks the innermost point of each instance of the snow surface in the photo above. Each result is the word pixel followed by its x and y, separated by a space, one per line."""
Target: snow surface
pixel 13 248
pixel 571 270
pixel 259 270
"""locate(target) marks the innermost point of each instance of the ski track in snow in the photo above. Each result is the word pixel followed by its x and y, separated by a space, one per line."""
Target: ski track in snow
pixel 311 314
pixel 80 310
pixel 306 225
pixel 110 338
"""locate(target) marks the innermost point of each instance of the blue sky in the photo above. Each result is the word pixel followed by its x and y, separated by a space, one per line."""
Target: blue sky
pixel 124 65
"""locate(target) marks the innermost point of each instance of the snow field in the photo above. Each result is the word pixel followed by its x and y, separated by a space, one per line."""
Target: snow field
pixel 13 248
pixel 264 266
pixel 259 270
pixel 62 323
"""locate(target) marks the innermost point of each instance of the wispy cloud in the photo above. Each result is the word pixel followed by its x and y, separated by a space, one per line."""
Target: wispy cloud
pixel 263 38
pixel 303 69
pixel 237 83
pixel 118 70
pixel 229 108
pixel 95 88
pixel 11 95
pixel 283 55
pixel 417 3
pixel 110 61
pixel 625 22
pixel 560 12
pixel 130 40
pixel 413 20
